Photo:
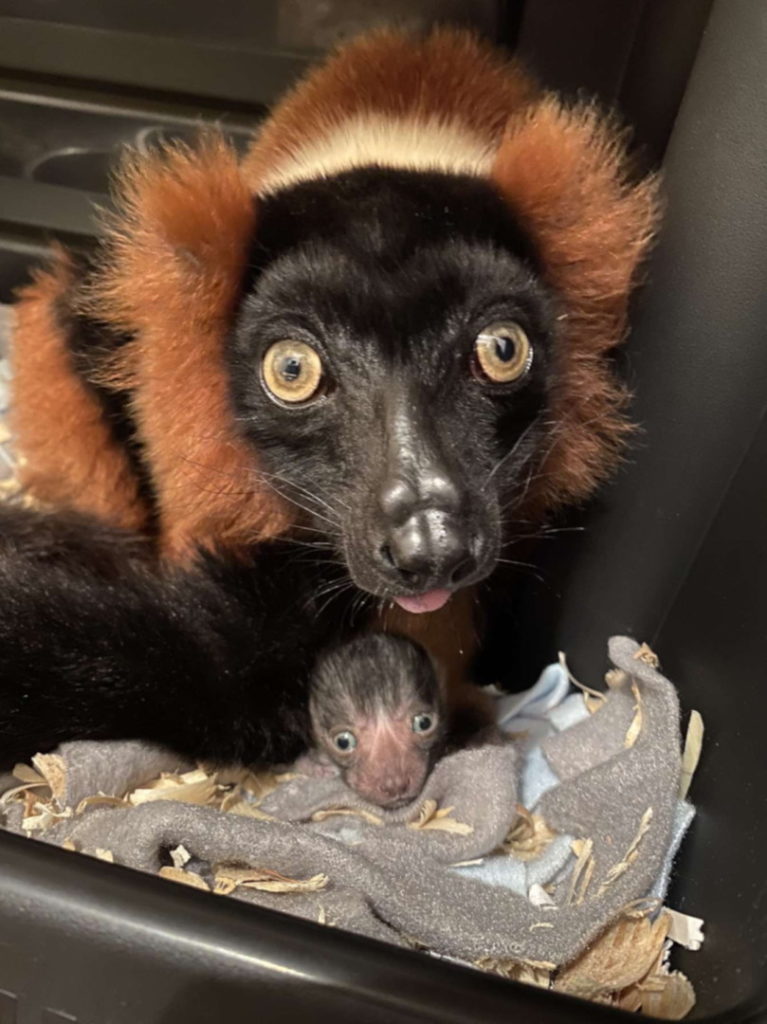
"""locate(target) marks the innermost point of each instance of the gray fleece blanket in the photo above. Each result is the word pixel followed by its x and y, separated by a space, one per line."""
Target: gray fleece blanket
pixel 523 851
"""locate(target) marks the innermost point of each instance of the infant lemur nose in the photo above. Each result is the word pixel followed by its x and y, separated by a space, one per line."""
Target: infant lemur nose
pixel 394 789
pixel 429 550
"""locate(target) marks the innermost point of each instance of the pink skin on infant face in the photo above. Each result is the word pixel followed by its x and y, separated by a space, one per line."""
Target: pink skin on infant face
pixel 388 756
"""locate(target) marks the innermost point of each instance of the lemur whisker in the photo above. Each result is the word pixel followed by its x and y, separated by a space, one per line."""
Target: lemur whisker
pixel 287 497
pixel 532 569
pixel 336 525
pixel 517 499
pixel 331 593
pixel 509 454
pixel 335 522
pixel 357 605
pixel 300 488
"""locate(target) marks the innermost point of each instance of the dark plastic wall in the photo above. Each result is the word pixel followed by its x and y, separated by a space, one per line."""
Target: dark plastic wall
pixel 698 351
pixel 697 357
pixel 714 642
pixel 107 945
pixel 675 553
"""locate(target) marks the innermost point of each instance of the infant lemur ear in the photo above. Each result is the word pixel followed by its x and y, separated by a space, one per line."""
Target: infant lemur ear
pixel 170 274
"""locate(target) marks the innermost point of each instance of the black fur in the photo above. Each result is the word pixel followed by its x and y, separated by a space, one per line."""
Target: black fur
pixel 91 345
pixel 390 276
pixel 372 674
pixel 373 689
pixel 384 213
pixel 95 644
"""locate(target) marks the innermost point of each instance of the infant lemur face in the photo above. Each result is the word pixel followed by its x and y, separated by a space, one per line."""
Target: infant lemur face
pixel 392 359
pixel 378 712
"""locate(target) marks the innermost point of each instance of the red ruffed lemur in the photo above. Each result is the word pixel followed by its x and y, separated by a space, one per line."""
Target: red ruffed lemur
pixel 317 388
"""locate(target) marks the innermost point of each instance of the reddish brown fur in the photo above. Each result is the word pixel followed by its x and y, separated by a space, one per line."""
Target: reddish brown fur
pixel 564 172
pixel 178 252
pixel 448 73
pixel 177 255
pixel 68 455
pixel 449 635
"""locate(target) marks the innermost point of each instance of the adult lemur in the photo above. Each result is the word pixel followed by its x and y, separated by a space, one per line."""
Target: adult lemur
pixel 293 392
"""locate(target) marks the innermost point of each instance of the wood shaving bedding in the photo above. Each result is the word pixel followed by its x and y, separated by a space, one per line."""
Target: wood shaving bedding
pixel 228 877
pixel 691 754
pixel 627 967
pixel 529 836
pixel 594 699
pixel 582 871
pixel 176 874
pixel 354 812
pixel 195 787
pixel 431 816
pixel 636 723
pixel 630 855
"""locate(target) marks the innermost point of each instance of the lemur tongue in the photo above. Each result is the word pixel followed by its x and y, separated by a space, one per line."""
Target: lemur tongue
pixel 428 602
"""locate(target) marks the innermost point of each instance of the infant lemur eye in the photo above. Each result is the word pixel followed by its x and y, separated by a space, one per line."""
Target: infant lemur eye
pixel 423 723
pixel 292 371
pixel 503 353
pixel 345 742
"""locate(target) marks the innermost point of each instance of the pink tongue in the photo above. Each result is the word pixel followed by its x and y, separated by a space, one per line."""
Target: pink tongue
pixel 428 602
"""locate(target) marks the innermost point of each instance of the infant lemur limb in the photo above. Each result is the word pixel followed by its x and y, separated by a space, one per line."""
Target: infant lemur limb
pixel 95 643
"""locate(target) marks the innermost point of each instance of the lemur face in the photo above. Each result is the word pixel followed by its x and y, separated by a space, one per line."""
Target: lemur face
pixel 378 712
pixel 391 364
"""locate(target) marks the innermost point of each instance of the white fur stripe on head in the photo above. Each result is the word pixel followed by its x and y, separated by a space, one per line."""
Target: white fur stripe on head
pixel 427 144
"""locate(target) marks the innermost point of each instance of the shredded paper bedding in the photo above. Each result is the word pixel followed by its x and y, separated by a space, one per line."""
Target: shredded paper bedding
pixel 545 859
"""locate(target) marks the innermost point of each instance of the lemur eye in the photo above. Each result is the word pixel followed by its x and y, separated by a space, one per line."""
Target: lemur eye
pixel 345 742
pixel 503 353
pixel 423 723
pixel 292 371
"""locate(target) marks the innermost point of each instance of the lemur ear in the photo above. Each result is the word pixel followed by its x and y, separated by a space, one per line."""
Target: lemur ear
pixel 565 173
pixel 176 258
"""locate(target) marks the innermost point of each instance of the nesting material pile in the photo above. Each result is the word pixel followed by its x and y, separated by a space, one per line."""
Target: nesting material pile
pixel 545 859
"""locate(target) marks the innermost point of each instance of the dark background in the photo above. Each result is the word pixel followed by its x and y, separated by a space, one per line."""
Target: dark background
pixel 674 552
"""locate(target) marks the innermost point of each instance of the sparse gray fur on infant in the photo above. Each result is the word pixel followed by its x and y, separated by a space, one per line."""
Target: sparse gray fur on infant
pixel 378 712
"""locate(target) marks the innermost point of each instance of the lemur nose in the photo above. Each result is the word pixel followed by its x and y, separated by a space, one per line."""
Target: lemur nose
pixel 400 496
pixel 394 788
pixel 429 550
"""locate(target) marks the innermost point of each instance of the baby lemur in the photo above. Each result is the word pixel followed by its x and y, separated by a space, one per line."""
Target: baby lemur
pixel 379 712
